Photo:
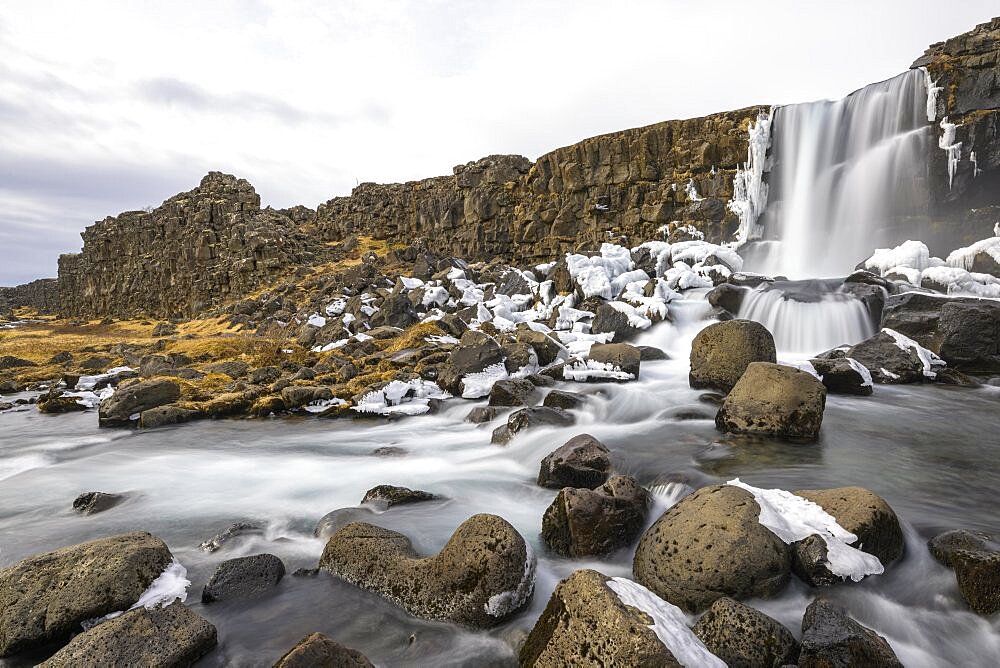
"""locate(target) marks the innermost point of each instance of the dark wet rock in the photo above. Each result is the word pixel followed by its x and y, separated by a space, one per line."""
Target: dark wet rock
pixel 744 637
pixel 165 415
pixel 170 636
pixel 866 515
pixel 621 355
pixel 546 348
pixel 540 380
pixel 389 451
pixel 651 354
pixel 589 522
pixel 585 623
pixel 582 461
pixel 831 638
pixel 476 351
pixel 96 363
pixel 727 297
pixel 721 353
pixel 46 597
pixel 944 546
pixel 840 352
pixel 484 574
pixel 136 398
pixel 9 386
pixel 388 496
pixel 888 362
pixel 711 544
pixel 528 418
pixel 810 562
pixel 296 396
pixel 949 376
pixel 318 651
pixel 608 319
pixel 481 414
pixel 335 520
pixel 11 362
pixel 516 392
pixel 839 376
pixel 89 503
pixel 55 401
pixel 234 530
pixel 774 400
pixel 975 558
pixel 305 572
pixel 396 311
pixel 244 577
pixel 564 399
pixel 711 398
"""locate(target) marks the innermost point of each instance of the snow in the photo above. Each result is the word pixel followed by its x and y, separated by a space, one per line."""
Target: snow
pixel 330 346
pixel 866 375
pixel 401 398
pixel 912 254
pixel 477 385
pixel 804 365
pixel 693 252
pixel 435 296
pixel 316 320
pixel 749 188
pixel 336 307
pixel 621 281
pixel 504 603
pixel 932 95
pixel 888 374
pixel 692 192
pixel 682 277
pixel 455 274
pixel 170 585
pixel 793 518
pixel 927 357
pixel 545 268
pixel 91 399
pixel 958 281
pixel 88 382
pixel 443 339
pixel 669 624
pixel 591 369
pixel 635 319
pixel 411 283
pixel 948 144
pixel 322 405
pixel 594 274
pixel 911 275
pixel 964 258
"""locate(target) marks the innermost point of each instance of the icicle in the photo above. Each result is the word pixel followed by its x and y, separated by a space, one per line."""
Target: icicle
pixel 749 187
pixel 932 94
pixel 975 165
pixel 948 144
pixel 692 192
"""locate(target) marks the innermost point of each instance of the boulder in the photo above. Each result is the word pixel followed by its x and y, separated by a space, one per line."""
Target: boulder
pixel 590 522
pixel 244 577
pixel 527 418
pixel 515 392
pixel 727 297
pixel 130 401
pixel 608 319
pixel 396 311
pixel 232 368
pixel 722 351
pixel 265 375
pixel 11 362
pixel 564 399
pixel 56 401
pixel 169 636
pixel 652 354
pixel 587 623
pixel 45 598
pixel 711 544
pixel 165 415
pixel 621 355
pixel 970 335
pixel 546 348
pixel 582 462
pixel 975 558
pixel 484 574
pixel 89 503
pixel 743 636
pixel 318 651
pixel 844 376
pixel 296 396
pixel 774 400
pixel 888 362
pixel 866 515
pixel 831 638
pixel 481 414
pixel 476 351
pixel 335 520
pixel 232 531
pixel 387 496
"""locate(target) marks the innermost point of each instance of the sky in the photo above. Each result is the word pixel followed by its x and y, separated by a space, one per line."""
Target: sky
pixel 116 106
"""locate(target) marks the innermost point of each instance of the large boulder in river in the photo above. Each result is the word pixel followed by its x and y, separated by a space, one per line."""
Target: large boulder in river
pixel 619 355
pixel 588 522
pixel 131 401
pixel 594 620
pixel 774 400
pixel 546 348
pixel 831 638
pixel 712 544
pixel 484 574
pixel 476 350
pixel 582 461
pixel 744 636
pixel 387 496
pixel 866 515
pixel 722 351
pixel 318 651
pixel 888 360
pixel 244 577
pixel 844 375
pixel 44 598
pixel 975 558
pixel 513 392
pixel 168 637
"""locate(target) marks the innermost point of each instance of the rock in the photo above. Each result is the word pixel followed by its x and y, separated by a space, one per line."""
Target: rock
pixel 743 636
pixel 711 544
pixel 388 496
pixel 55 401
pixel 970 335
pixel 589 522
pixel 866 515
pixel 136 398
pixel 335 520
pixel 396 311
pixel 546 348
pixel 840 376
pixel 265 375
pixel 11 362
pixel 586 624
pixel 975 558
pixel 511 392
pixel 582 461
pixel 89 503
pixel 774 400
pixel 165 415
pixel 527 418
pixel 296 396
pixel 483 575
pixel 651 354
pixel 318 651
pixel 389 451
pixel 831 638
pixel 9 386
pixel 221 538
pixel 721 353
pixel 164 329
pixel 608 319
pixel 169 636
pixel 888 362
pixel 232 368
pixel 564 400
pixel 45 598
pixel 244 577
pixel 727 297
pixel 476 351
pixel 621 355
pixel 61 358
pixel 96 363
pixel 481 414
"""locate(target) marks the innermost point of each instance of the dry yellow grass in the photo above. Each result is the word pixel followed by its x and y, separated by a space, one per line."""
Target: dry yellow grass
pixel 414 337
pixel 39 342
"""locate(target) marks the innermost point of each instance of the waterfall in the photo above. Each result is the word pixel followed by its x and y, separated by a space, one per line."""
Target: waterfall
pixel 843 174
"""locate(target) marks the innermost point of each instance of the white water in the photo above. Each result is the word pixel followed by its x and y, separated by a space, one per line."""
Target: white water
pixel 843 173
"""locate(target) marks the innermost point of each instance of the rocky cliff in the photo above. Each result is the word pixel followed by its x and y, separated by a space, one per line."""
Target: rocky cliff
pixel 41 295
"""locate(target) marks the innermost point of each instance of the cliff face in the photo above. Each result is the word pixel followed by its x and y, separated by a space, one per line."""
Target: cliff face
pixel 197 249
pixel 41 295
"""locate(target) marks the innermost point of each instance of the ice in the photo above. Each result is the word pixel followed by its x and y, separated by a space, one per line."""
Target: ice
pixel 912 254
pixel 749 188
pixel 336 307
pixel 545 268
pixel 455 273
pixel 958 281
pixel 91 399
pixel 693 252
pixel 793 518
pixel 681 277
pixel 322 405
pixel 594 274
pixel 912 275
pixel 435 296
pixel 504 603
pixel 932 95
pixel 635 319
pixel 170 585
pixel 889 374
pixel 669 624
pixel 692 192
pixel 88 382
pixel 927 357
pixel 964 258
pixel 948 144
pixel 412 283
pixel 591 369
pixel 316 320
pixel 621 281
pixel 477 385
pixel 330 346
pixel 401 398
pixel 866 375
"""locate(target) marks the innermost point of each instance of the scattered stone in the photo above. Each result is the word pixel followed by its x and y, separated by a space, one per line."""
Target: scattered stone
pixel 11 362
pixel 61 358
pixel 564 399
pixel 46 597
pixel 305 572
pixel 526 418
pixel 511 392
pixel 709 545
pixel 483 575
pixel 651 354
pixel 169 636
pixel 318 651
pixel 335 520
pixel 774 400
pixel 89 503
pixel 621 355
pixel 582 462
pixel 481 414
pixel 589 522
pixel 130 401
pixel 844 376
pixel 244 577
pixel 975 558
pixel 831 638
pixel 866 515
pixel 55 401
pixel 389 451
pixel 546 348
pixel 165 415
pixel 220 539
pixel 721 353
pixel 232 368
pixel 265 375
pixel 388 496
pixel 743 636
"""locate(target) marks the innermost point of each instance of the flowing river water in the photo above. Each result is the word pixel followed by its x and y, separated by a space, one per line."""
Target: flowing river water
pixel 930 451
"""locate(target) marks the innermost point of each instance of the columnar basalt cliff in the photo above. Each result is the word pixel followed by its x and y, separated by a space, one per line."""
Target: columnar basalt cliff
pixel 41 295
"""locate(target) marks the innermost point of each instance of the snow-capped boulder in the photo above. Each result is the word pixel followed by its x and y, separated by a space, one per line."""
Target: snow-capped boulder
pixel 589 522
pixel 721 352
pixel 844 376
pixel 774 400
pixel 894 358
pixel 476 351
pixel 484 574
pixel 622 356
pixel 744 636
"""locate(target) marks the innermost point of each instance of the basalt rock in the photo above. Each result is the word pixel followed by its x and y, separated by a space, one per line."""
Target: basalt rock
pixel 90 503
pixel 582 462
pixel 831 638
pixel 721 352
pixel 136 398
pixel 527 418
pixel 388 496
pixel 744 637
pixel 840 376
pixel 589 522
pixel 318 651
pixel 564 399
pixel 774 400
pixel 975 558
pixel 619 355
pixel 244 577
pixel 866 515
pixel 511 392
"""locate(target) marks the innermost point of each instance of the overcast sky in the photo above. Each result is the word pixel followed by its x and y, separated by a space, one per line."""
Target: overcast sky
pixel 115 106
